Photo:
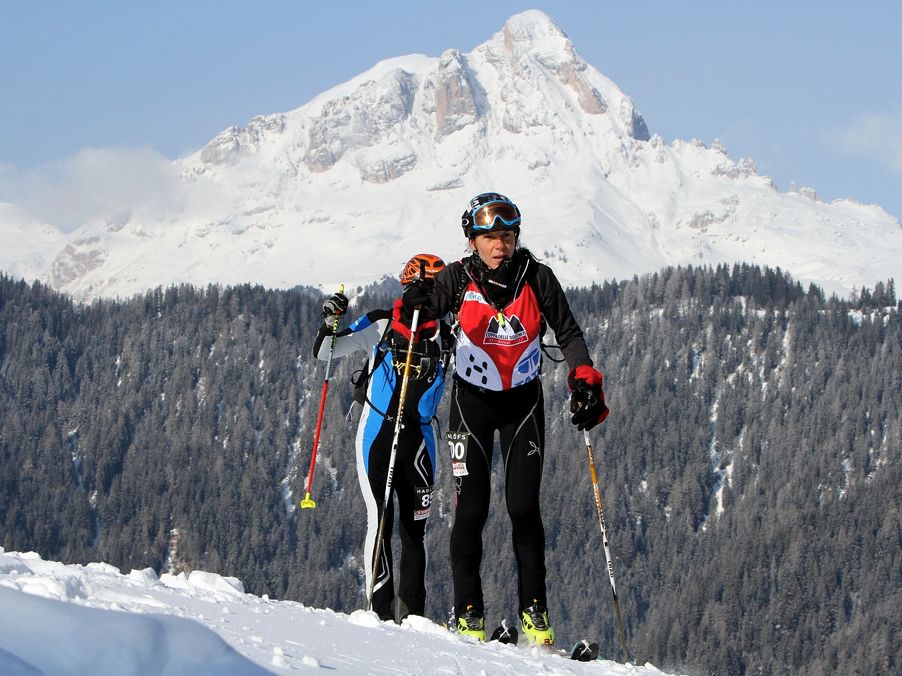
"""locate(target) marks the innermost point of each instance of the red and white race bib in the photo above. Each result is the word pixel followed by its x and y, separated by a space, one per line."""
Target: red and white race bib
pixel 498 350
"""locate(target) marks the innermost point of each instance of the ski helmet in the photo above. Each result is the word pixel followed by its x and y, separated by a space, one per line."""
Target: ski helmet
pixel 488 212
pixel 421 266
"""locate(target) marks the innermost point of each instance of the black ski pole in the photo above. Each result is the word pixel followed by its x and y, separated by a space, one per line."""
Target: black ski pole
pixel 604 540
pixel 377 554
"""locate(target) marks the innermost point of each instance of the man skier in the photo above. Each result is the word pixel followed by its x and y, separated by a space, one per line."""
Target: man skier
pixel 385 335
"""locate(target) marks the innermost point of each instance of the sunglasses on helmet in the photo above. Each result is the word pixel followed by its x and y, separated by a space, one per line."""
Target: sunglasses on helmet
pixel 485 217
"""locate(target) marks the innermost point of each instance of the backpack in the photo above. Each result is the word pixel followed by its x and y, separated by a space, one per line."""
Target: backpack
pixel 360 379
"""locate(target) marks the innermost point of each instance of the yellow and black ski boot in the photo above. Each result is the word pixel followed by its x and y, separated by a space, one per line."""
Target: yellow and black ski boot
pixel 535 625
pixel 471 623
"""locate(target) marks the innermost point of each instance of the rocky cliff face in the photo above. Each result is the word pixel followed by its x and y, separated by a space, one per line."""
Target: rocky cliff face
pixel 387 121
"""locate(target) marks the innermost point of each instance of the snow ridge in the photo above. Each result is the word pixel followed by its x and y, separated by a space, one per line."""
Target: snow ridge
pixel 57 618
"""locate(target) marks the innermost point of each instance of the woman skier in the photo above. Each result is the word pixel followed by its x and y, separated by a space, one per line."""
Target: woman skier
pixel 504 298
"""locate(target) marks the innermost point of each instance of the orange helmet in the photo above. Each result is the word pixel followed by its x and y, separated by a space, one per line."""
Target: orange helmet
pixel 421 266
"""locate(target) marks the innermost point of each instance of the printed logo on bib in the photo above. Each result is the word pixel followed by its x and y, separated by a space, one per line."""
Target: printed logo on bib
pixel 474 368
pixel 529 362
pixel 508 333
pixel 423 504
pixel 457 445
pixel 474 296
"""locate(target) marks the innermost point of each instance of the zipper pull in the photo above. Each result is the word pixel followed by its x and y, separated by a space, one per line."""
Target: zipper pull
pixel 501 319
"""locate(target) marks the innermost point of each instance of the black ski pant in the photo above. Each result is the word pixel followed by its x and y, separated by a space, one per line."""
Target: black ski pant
pixel 518 416
pixel 412 484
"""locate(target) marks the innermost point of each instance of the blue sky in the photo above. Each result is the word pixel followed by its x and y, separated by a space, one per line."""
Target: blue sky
pixel 809 90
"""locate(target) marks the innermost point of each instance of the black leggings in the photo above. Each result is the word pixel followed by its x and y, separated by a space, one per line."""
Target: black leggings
pixel 518 416
pixel 412 483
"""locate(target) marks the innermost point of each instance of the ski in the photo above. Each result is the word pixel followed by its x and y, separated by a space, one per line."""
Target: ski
pixel 504 633
pixel 584 651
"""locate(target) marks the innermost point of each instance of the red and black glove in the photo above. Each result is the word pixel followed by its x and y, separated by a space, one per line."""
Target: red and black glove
pixel 586 397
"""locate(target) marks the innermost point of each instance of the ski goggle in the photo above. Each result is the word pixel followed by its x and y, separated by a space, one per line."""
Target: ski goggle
pixel 486 217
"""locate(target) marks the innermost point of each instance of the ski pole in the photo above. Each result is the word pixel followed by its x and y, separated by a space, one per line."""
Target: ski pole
pixel 377 554
pixel 307 502
pixel 604 540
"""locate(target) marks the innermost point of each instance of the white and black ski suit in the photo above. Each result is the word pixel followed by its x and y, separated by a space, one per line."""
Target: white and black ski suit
pixel 384 335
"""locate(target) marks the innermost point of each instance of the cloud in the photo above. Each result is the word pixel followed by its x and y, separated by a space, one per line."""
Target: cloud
pixel 872 135
pixel 95 184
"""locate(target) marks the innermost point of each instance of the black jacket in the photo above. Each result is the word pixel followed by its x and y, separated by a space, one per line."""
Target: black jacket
pixel 556 313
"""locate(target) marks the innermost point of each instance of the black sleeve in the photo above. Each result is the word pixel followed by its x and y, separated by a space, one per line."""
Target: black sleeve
pixel 447 286
pixel 556 311
pixel 324 331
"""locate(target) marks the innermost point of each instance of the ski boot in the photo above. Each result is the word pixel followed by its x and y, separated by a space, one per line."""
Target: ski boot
pixel 471 623
pixel 535 625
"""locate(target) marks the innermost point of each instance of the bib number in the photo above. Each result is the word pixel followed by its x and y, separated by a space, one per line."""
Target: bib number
pixel 424 503
pixel 457 445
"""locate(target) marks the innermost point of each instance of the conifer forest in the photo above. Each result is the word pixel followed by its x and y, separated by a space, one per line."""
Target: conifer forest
pixel 750 470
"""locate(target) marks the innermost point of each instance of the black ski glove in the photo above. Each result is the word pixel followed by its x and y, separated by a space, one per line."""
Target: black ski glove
pixel 417 292
pixel 336 306
pixel 586 397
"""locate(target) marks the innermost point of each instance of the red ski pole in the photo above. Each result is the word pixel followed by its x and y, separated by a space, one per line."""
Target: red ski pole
pixel 307 502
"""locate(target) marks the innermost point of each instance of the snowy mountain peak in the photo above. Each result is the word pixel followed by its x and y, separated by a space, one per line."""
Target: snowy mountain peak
pixel 378 167
pixel 534 32
pixel 530 65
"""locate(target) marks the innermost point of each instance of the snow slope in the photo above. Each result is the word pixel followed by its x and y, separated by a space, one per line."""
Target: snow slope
pixel 347 187
pixel 59 619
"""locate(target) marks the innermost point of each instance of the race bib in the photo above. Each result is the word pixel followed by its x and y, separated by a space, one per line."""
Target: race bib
pixel 457 445
pixel 424 503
